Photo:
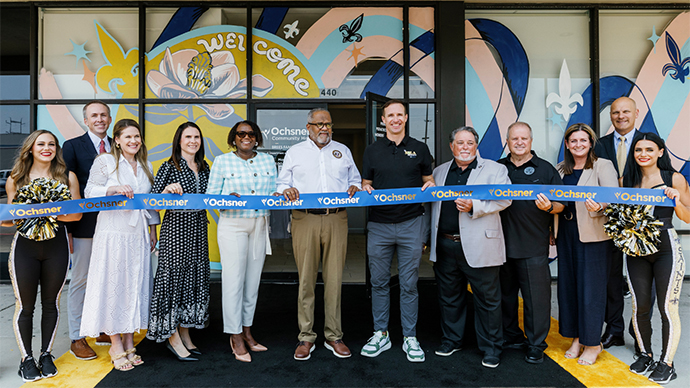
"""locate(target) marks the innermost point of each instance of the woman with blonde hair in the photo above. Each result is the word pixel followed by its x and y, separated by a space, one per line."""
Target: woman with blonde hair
pixel 117 294
pixel 584 248
pixel 39 259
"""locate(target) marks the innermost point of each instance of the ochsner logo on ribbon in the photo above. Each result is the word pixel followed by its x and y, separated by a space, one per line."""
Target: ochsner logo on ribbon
pixel 514 194
pixel 280 202
pixel 338 201
pixel 48 211
pixel 636 197
pixel 443 194
pixel 394 197
pixel 559 193
pixel 105 205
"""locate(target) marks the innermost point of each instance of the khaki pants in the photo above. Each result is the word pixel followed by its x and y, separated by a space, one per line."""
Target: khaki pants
pixel 313 235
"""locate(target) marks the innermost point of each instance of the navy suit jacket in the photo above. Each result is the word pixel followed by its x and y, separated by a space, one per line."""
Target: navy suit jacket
pixel 606 149
pixel 79 154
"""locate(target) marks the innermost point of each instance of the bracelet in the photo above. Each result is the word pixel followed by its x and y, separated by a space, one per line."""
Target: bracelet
pixel 550 209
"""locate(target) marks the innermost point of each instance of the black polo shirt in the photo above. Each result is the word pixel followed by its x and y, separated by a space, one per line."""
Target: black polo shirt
pixel 448 220
pixel 392 166
pixel 525 226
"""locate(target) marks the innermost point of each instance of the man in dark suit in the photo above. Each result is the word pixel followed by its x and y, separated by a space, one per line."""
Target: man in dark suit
pixel 615 147
pixel 79 154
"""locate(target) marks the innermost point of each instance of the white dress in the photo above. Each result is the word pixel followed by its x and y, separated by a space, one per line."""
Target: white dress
pixel 119 280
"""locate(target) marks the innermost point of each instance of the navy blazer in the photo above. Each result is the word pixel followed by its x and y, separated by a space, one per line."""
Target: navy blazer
pixel 606 149
pixel 79 154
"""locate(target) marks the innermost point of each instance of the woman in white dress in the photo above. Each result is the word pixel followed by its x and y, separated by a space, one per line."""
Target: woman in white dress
pixel 119 286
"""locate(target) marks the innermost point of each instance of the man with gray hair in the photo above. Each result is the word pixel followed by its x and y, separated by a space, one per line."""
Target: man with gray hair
pixel 319 165
pixel 527 264
pixel 79 154
pixel 467 246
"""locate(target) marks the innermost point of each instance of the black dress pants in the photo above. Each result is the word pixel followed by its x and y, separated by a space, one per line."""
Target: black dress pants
pixel 532 277
pixel 452 275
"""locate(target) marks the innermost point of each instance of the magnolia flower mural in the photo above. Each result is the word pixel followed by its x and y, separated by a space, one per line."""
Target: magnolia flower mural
pixel 191 74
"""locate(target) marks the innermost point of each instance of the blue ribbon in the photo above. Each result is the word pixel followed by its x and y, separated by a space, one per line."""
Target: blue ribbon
pixel 332 200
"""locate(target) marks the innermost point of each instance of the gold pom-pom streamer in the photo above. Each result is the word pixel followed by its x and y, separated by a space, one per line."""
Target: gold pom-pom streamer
pixel 633 228
pixel 40 190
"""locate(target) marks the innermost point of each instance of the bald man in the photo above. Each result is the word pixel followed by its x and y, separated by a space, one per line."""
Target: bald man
pixel 615 147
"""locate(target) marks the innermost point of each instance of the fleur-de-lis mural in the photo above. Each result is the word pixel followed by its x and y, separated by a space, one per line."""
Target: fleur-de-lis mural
pixel 678 69
pixel 563 99
pixel 350 32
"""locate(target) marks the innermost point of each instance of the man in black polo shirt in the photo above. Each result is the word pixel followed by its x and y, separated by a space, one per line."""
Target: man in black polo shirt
pixel 395 161
pixel 526 227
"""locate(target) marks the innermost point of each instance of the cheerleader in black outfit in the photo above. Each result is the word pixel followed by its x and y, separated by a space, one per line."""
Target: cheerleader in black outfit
pixel 34 262
pixel 666 268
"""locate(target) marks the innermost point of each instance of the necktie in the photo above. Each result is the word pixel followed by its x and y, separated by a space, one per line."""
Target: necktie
pixel 101 147
pixel 621 155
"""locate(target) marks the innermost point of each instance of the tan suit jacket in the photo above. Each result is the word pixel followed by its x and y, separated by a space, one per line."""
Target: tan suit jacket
pixel 591 224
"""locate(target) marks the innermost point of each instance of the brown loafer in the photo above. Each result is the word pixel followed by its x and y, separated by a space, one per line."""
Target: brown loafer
pixel 303 351
pixel 103 340
pixel 81 350
pixel 338 348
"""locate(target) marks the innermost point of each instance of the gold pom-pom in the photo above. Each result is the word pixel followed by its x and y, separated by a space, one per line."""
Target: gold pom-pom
pixel 633 228
pixel 40 190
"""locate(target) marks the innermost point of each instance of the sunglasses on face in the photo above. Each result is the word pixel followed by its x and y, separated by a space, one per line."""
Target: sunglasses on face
pixel 322 125
pixel 242 135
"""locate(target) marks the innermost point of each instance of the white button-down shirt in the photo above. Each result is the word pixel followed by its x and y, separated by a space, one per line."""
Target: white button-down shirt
pixel 309 169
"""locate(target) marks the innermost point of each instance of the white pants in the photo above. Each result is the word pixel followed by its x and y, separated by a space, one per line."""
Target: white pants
pixel 77 284
pixel 242 244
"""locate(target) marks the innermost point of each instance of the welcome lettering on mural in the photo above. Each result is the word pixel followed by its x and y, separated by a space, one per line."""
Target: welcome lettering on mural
pixel 286 64
pixel 227 42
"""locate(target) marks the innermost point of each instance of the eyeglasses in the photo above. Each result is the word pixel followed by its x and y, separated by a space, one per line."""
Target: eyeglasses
pixel 322 125
pixel 242 135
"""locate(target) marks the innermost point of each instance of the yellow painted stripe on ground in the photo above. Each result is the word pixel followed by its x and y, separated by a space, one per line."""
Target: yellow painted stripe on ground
pixel 79 373
pixel 608 371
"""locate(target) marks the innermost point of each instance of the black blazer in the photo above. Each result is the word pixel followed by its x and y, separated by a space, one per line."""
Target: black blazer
pixel 606 149
pixel 79 154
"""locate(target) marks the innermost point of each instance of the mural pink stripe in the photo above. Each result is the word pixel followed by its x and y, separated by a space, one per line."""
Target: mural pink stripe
pixel 332 20
pixel 679 138
pixel 63 119
pixel 379 46
pixel 424 68
pixel 482 61
pixel 422 18
pixel 468 118
pixel 506 114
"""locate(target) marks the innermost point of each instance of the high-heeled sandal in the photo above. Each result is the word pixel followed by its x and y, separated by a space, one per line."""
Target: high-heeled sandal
pixel 582 361
pixel 136 360
pixel 123 366
pixel 256 347
pixel 240 357
pixel 571 356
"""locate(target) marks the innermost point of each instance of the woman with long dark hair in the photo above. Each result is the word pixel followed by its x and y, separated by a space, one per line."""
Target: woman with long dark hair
pixel 242 234
pixel 180 289
pixel 116 301
pixel 651 169
pixel 34 260
pixel 584 248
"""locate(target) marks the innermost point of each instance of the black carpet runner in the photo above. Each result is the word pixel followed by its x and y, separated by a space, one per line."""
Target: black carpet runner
pixel 275 326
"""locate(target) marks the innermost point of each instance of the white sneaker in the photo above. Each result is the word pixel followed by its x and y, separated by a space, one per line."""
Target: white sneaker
pixel 413 350
pixel 377 344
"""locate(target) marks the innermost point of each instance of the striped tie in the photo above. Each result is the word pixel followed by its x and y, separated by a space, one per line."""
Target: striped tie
pixel 101 147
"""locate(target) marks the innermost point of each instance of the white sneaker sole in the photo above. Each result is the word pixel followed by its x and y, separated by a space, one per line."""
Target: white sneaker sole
pixel 381 350
pixel 83 358
pixel 329 347
pixel 412 359
pixel 313 346
pixel 446 354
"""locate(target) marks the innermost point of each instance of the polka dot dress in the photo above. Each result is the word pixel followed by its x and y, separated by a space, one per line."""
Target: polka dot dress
pixel 180 288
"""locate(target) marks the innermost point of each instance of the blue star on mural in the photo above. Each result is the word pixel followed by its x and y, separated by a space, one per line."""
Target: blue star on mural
pixel 555 119
pixel 654 38
pixel 79 51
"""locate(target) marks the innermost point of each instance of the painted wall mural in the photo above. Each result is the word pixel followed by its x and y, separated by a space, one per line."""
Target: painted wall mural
pixel 497 75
